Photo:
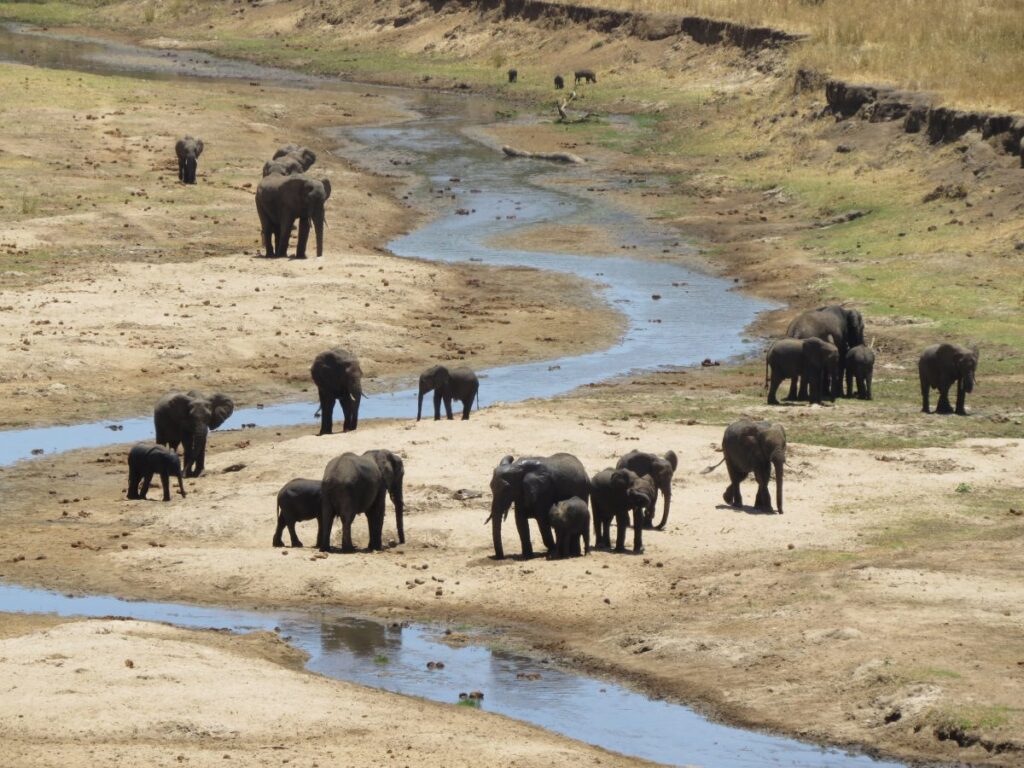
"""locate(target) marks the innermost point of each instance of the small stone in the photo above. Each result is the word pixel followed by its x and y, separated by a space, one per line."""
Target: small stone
pixel 129 663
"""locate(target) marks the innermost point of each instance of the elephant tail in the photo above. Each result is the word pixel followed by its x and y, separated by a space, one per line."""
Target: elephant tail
pixel 712 468
pixel 317 414
pixel 766 368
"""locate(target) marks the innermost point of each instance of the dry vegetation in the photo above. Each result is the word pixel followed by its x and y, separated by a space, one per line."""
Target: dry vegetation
pixel 967 51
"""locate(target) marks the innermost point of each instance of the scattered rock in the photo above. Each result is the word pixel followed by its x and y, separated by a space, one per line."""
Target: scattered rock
pixel 465 494
pixel 947 191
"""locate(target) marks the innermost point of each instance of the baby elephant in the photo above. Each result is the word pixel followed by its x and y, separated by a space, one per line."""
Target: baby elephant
pixel 146 460
pixel 753 446
pixel 188 150
pixel 570 521
pixel 860 365
pixel 298 500
pixel 614 493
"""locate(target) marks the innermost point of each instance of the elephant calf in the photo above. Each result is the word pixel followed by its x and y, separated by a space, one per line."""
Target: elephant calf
pixel 144 461
pixel 188 150
pixel 298 500
pixel 458 383
pixel 570 521
pixel 942 365
pixel 613 494
pixel 812 361
pixel 860 365
pixel 753 446
pixel 660 469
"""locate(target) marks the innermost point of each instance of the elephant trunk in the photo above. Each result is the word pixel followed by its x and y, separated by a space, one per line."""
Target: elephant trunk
pixel 779 464
pixel 399 503
pixel 181 483
pixel 666 491
pixel 318 225
pixel 195 467
pixel 419 405
pixel 496 517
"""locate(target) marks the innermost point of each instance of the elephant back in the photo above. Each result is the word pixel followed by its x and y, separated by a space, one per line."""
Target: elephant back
pixel 816 323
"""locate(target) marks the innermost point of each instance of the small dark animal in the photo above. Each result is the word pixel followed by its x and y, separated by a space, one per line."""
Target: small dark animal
pixel 860 366
pixel 585 76
pixel 146 460
pixel 188 150
pixel 298 500
pixel 559 83
pixel 513 75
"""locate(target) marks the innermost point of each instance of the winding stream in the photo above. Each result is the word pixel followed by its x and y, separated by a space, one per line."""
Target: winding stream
pixel 697 316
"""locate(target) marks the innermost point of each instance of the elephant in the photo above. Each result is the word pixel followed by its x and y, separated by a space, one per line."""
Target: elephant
pixel 939 367
pixel 660 469
pixel 559 82
pixel 287 165
pixel 513 75
pixel 459 383
pixel 614 493
pixel 844 326
pixel 353 485
pixel 533 484
pixel 570 521
pixel 753 446
pixel 186 418
pixel 298 500
pixel 144 461
pixel 280 201
pixel 860 365
pixel 392 469
pixel 188 150
pixel 304 155
pixel 813 361
pixel 586 76
pixel 338 376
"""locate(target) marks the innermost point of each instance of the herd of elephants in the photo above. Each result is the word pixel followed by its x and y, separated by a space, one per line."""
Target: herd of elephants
pixel 822 347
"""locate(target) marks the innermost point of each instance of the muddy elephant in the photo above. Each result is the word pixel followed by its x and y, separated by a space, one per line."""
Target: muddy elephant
pixel 660 469
pixel 860 366
pixel 338 377
pixel 283 200
pixel 533 484
pixel 559 82
pixel 188 150
pixel 513 75
pixel 458 383
pixel 812 361
pixel 585 76
pixel 570 522
pixel 352 485
pixel 844 326
pixel 941 366
pixel 304 155
pixel 297 501
pixel 614 494
pixel 753 446
pixel 144 461
pixel 185 418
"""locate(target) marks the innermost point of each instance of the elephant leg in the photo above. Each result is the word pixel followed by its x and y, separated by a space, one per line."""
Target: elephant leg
pixel 438 397
pixel 181 170
pixel 346 412
pixel 200 462
pixel 961 397
pixel 849 382
pixel 300 246
pixel 638 531
pixel 283 519
pixel 586 539
pixel 326 413
pixel 794 388
pixel 732 494
pixel 375 518
pixel 545 532
pixel 598 538
pixel 867 386
pixel 621 524
pixel 448 406
pixel 924 396
pixel 346 533
pixel 328 511
pixel 560 546
pixel 762 500
pixel 467 406
pixel 133 482
pixel 165 481
pixel 292 535
pixel 523 527
pixel 944 406
pixel 284 233
pixel 773 389
pixel 266 232
pixel 146 480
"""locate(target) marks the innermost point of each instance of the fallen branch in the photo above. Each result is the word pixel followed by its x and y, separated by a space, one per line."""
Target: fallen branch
pixel 565 117
pixel 557 157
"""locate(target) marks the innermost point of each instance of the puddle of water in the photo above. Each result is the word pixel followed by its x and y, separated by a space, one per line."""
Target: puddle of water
pixel 395 659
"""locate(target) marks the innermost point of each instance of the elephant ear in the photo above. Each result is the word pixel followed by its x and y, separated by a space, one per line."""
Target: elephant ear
pixel 179 146
pixel 308 158
pixel 537 491
pixel 506 460
pixel 672 459
pixel 199 147
pixel 327 187
pixel 221 408
pixel 622 478
pixel 267 167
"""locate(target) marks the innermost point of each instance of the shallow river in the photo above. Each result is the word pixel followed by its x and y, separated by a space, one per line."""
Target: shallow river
pixel 697 316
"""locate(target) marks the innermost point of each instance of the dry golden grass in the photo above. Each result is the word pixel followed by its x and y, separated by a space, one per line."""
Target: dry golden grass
pixel 970 52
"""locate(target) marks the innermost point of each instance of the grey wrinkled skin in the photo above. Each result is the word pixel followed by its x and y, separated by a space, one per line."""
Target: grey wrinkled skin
pixel 282 200
pixel 392 469
pixel 614 493
pixel 533 485
pixel 352 485
pixel 940 367
pixel 813 362
pixel 834 323
pixel 338 376
pixel 188 150
pixel 758 447
pixel 570 522
pixel 185 418
pixel 458 383
pixel 860 367
pixel 298 500
pixel 146 460
pixel 661 469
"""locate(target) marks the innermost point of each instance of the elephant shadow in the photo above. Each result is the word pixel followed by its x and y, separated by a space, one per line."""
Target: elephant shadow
pixel 747 509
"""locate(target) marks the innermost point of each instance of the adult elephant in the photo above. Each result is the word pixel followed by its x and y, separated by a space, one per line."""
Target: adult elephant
pixel 283 200
pixel 941 366
pixel 660 469
pixel 144 461
pixel 304 155
pixel 753 446
pixel 533 484
pixel 392 469
pixel 338 376
pixel 845 327
pixel 352 485
pixel 614 494
pixel 458 383
pixel 185 418
pixel 812 361
pixel 287 165
pixel 188 150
